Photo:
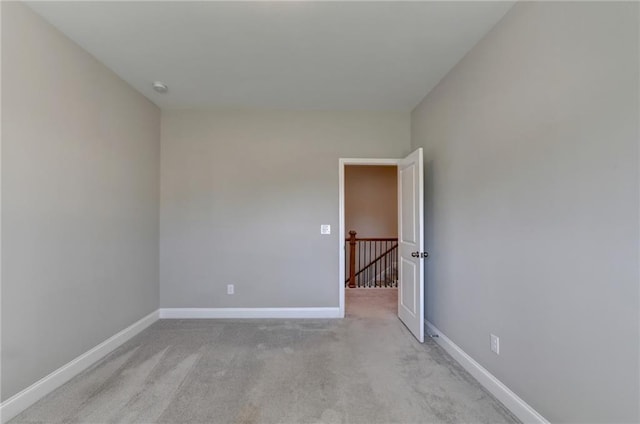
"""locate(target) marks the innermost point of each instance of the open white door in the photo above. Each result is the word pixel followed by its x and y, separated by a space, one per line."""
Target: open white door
pixel 411 244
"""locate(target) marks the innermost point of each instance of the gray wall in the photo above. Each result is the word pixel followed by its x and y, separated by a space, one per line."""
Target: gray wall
pixel 80 195
pixel 531 152
pixel 243 198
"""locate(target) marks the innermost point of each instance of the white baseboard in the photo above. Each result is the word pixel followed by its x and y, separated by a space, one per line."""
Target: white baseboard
pixel 27 397
pixel 189 313
pixel 513 402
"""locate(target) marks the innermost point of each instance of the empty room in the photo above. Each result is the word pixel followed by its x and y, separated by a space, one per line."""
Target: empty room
pixel 319 212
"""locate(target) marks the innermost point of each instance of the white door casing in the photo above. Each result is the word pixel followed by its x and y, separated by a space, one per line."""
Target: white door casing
pixel 411 244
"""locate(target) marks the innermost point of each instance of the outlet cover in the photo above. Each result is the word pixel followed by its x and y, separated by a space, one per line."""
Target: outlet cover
pixel 325 229
pixel 230 289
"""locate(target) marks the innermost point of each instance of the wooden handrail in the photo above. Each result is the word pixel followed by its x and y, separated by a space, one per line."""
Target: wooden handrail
pixel 371 239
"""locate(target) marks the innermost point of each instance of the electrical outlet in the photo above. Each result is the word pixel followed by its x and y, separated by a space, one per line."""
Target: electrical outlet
pixel 230 289
pixel 325 229
pixel 495 344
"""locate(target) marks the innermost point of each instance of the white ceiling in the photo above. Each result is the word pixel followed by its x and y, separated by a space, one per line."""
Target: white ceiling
pixel 289 55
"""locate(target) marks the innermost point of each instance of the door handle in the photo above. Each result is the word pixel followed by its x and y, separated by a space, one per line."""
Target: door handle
pixel 422 255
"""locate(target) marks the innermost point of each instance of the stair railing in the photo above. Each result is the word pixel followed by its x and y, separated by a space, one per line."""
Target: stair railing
pixel 372 262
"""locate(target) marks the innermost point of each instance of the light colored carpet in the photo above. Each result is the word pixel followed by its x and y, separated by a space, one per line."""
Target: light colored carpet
pixel 366 368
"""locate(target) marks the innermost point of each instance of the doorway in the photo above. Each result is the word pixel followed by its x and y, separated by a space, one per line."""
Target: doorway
pixel 371 237
pixel 410 242
pixel 344 246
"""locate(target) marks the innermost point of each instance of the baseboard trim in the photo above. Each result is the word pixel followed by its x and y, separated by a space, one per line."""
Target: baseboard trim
pixel 218 313
pixel 27 397
pixel 513 402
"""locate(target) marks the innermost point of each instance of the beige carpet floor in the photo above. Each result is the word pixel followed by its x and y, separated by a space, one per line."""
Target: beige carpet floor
pixel 366 368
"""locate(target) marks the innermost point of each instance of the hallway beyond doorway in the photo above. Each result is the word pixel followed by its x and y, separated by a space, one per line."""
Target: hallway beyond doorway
pixel 372 303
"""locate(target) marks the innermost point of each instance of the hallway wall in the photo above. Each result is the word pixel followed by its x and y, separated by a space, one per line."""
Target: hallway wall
pixel 371 201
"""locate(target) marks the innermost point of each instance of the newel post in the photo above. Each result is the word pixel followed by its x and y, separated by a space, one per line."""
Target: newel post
pixel 352 259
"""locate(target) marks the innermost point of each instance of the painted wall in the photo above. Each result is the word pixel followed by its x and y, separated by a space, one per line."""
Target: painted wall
pixel 80 197
pixel 243 195
pixel 531 153
pixel 371 201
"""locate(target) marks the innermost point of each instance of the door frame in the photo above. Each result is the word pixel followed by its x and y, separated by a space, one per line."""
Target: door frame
pixel 343 162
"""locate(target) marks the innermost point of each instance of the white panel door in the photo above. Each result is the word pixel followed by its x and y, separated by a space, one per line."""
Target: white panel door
pixel 411 244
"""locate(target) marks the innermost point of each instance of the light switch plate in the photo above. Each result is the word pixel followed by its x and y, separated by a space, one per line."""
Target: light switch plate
pixel 495 344
pixel 325 229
